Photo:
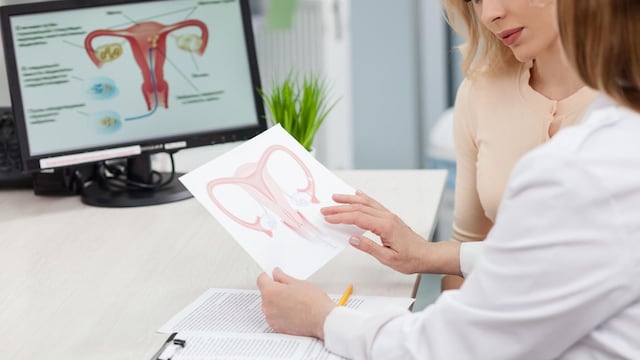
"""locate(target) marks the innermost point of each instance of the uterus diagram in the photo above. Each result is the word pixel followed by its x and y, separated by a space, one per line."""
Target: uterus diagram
pixel 148 43
pixel 279 205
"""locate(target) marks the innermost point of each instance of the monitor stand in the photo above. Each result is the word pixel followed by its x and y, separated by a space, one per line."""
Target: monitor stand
pixel 103 192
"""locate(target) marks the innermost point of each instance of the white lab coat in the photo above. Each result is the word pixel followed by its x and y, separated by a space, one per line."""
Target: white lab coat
pixel 558 276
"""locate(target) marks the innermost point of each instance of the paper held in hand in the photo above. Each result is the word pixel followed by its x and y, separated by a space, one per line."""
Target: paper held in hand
pixel 267 193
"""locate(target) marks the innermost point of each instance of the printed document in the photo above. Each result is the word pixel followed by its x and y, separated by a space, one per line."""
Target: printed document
pixel 209 346
pixel 239 311
pixel 229 324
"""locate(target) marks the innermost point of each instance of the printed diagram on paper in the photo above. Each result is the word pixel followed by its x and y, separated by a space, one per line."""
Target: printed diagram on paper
pixel 268 193
pixel 277 204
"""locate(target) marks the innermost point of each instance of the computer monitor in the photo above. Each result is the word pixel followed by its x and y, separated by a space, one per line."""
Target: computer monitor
pixel 92 81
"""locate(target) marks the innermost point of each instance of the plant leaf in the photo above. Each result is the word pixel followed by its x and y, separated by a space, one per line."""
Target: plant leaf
pixel 300 108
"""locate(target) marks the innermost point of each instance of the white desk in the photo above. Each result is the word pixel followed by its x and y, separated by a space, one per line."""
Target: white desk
pixel 79 282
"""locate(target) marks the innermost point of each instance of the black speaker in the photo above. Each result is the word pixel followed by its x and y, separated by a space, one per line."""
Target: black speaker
pixel 63 181
pixel 11 173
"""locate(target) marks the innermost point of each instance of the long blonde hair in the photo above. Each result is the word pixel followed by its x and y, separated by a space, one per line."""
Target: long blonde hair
pixel 482 51
pixel 600 38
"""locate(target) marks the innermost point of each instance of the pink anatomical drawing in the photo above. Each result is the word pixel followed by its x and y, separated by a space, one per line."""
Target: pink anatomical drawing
pixel 278 204
pixel 267 193
pixel 148 44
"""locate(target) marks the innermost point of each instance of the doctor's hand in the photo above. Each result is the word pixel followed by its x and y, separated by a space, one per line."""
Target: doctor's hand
pixel 293 306
pixel 402 249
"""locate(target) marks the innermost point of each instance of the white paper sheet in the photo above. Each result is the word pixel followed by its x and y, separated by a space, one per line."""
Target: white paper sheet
pixel 267 193
pixel 239 311
pixel 251 346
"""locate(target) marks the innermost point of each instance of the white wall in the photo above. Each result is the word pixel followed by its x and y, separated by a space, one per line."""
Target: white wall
pixel 434 76
pixel 318 42
pixel 399 79
pixel 385 85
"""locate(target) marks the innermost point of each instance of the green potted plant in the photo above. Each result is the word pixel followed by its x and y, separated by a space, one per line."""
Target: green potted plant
pixel 300 108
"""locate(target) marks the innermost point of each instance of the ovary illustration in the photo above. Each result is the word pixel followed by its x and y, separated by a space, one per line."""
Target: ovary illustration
pixel 148 43
pixel 255 179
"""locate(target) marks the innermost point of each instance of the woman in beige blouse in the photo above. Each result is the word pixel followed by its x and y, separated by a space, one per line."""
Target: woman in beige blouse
pixel 518 92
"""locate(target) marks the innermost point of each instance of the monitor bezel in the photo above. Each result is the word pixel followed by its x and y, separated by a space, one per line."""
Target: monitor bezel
pixel 149 146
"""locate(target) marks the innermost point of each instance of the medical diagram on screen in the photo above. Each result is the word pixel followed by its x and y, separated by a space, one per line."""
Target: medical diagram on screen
pixel 102 75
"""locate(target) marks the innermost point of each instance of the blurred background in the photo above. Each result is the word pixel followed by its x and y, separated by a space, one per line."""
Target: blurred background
pixel 391 64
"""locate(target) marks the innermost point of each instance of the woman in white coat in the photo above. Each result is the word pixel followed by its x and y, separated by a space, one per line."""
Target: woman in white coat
pixel 557 276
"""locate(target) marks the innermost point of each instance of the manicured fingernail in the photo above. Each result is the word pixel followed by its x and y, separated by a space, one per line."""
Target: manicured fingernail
pixel 354 241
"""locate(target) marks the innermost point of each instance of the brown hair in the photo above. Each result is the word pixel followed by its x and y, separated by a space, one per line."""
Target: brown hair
pixel 600 38
pixel 482 51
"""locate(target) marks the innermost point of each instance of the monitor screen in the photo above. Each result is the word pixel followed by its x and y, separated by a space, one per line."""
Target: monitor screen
pixel 101 79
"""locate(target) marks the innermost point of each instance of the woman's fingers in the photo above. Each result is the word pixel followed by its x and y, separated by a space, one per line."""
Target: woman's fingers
pixel 354 208
pixel 281 277
pixel 376 223
pixel 359 198
pixel 370 247
pixel 369 200
pixel 263 280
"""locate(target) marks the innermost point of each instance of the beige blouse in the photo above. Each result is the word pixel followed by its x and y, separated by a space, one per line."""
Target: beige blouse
pixel 498 119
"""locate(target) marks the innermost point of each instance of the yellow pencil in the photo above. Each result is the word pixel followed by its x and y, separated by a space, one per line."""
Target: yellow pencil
pixel 345 295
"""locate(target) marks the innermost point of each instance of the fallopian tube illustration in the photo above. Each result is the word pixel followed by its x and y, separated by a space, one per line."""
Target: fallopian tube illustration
pixel 263 188
pixel 148 43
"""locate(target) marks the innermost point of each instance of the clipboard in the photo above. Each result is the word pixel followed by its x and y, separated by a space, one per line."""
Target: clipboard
pixel 170 347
